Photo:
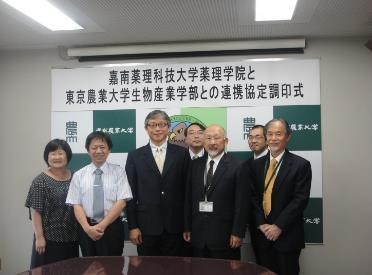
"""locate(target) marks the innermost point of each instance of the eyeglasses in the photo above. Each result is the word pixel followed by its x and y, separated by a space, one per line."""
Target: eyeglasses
pixel 153 125
pixel 194 133
pixel 255 137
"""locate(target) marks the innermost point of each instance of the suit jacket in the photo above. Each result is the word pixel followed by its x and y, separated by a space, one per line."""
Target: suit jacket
pixel 157 203
pixel 229 197
pixel 243 170
pixel 289 198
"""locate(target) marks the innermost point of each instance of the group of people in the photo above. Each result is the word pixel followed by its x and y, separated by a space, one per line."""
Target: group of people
pixel 179 202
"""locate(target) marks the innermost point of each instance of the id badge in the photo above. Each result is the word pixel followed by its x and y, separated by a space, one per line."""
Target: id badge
pixel 206 206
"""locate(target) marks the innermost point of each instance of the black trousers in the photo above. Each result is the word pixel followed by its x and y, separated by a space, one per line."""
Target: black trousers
pixel 111 243
pixel 253 233
pixel 165 244
pixel 228 253
pixel 282 263
pixel 54 252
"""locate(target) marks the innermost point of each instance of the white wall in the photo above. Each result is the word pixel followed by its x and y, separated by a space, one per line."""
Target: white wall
pixel 346 93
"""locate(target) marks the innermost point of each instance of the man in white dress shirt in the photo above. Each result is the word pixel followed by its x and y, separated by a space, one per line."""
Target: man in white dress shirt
pixel 98 193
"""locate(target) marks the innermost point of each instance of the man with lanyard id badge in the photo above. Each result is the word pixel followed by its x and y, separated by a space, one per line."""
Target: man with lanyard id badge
pixel 215 205
pixel 280 190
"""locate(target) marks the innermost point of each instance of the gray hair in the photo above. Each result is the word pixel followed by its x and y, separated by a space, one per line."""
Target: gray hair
pixel 155 114
pixel 281 120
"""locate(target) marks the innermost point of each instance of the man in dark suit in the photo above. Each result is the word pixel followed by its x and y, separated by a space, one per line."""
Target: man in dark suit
pixel 281 184
pixel 157 174
pixel 258 145
pixel 257 141
pixel 215 205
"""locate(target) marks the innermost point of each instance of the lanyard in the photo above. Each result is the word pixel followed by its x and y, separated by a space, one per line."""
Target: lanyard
pixel 205 193
pixel 274 172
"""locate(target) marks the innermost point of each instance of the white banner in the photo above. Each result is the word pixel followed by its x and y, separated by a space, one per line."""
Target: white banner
pixel 245 83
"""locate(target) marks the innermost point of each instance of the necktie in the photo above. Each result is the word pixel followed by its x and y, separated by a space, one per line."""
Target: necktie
pixel 268 188
pixel 98 209
pixel 194 157
pixel 210 175
pixel 159 159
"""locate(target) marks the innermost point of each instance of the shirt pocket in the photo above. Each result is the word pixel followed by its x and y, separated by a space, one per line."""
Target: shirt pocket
pixel 111 193
pixel 86 191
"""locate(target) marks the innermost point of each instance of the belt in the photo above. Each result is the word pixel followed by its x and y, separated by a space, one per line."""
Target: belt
pixel 92 221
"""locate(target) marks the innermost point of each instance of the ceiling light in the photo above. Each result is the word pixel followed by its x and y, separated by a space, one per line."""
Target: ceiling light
pixel 274 10
pixel 44 13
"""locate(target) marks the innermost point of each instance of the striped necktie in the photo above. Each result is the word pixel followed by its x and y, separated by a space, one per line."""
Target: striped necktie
pixel 210 175
pixel 159 159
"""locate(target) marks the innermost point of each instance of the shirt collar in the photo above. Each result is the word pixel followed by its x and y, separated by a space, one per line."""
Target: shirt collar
pixel 162 147
pixel 198 155
pixel 216 159
pixel 264 153
pixel 278 158
pixel 93 167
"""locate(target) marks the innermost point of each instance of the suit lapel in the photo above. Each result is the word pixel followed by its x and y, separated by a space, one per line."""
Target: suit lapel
pixel 262 165
pixel 169 159
pixel 284 169
pixel 220 171
pixel 200 174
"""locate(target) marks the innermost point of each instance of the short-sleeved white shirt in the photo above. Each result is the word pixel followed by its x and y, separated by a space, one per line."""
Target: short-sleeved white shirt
pixel 115 187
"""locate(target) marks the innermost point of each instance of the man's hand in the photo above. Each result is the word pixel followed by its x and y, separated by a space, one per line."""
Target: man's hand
pixel 135 236
pixel 94 232
pixel 235 241
pixel 187 236
pixel 263 227
pixel 271 231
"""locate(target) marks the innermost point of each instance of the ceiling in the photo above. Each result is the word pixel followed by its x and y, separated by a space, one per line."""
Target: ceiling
pixel 109 22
